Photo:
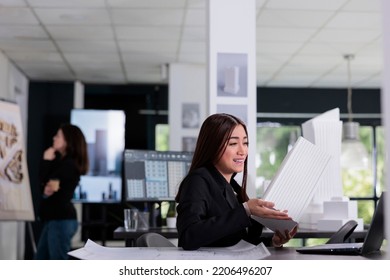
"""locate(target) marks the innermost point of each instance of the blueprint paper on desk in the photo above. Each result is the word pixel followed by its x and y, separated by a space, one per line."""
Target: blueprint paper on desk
pixel 241 251
pixel 295 183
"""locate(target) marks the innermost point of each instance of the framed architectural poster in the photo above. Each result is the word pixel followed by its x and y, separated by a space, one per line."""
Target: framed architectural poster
pixel 15 191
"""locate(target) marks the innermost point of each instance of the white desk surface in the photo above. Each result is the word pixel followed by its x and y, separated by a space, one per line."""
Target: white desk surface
pixel 242 250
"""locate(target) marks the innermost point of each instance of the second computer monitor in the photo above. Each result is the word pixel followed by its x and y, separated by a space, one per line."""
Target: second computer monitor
pixel 154 175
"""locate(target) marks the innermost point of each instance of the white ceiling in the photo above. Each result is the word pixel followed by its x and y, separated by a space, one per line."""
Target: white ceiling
pixel 300 43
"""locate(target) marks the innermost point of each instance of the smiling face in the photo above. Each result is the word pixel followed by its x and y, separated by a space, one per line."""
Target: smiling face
pixel 234 156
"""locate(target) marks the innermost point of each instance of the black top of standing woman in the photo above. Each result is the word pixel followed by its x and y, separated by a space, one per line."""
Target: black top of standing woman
pixel 64 162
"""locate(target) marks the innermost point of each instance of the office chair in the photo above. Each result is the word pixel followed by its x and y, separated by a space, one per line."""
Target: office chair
pixel 152 239
pixel 343 233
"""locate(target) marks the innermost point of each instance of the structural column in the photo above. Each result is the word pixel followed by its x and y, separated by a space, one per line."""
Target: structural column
pixel 231 67
pixel 226 84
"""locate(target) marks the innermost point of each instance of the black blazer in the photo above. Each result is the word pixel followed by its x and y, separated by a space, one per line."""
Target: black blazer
pixel 209 214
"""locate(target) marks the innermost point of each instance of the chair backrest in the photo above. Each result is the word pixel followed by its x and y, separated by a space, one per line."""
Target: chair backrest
pixel 152 239
pixel 343 233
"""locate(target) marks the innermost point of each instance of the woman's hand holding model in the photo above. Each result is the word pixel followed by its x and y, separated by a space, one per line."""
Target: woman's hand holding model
pixel 279 238
pixel 264 209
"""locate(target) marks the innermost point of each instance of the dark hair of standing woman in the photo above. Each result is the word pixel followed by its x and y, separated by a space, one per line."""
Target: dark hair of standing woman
pixel 212 141
pixel 76 146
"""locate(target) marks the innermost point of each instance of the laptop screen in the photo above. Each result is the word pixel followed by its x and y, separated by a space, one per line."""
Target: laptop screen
pixel 375 234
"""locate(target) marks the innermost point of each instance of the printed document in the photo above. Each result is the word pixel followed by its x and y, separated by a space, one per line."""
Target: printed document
pixel 241 251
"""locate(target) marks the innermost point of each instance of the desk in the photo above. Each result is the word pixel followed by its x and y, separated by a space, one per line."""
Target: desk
pixel 289 253
pixel 130 237
pixel 93 251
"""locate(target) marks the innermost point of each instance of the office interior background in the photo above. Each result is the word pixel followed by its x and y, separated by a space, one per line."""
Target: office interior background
pixel 119 53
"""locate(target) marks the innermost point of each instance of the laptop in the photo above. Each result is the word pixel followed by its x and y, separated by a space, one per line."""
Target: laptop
pixel 372 242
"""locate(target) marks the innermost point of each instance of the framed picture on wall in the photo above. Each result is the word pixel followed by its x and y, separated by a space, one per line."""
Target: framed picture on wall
pixel 190 115
pixel 15 192
pixel 188 144
pixel 232 74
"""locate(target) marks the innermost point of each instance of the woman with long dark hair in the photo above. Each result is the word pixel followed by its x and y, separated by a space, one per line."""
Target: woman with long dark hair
pixel 63 164
pixel 213 209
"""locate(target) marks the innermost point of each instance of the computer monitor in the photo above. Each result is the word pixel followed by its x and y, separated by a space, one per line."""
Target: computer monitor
pixel 104 131
pixel 154 175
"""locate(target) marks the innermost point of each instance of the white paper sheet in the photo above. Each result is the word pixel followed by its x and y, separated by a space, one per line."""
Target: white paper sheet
pixel 241 251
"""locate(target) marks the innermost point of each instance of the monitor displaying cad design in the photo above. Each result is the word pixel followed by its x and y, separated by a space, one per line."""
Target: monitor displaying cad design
pixel 154 175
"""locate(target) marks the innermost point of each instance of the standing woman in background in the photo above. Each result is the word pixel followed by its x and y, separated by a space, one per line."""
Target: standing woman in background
pixel 62 166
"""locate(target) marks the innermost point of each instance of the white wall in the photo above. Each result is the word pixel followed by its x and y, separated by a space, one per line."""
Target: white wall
pixel 187 86
pixel 13 87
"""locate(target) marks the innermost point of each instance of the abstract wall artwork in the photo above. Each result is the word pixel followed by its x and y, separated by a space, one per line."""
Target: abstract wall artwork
pixel 15 191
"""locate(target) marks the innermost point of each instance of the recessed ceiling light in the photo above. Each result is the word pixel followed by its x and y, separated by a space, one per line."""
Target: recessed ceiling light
pixel 70 17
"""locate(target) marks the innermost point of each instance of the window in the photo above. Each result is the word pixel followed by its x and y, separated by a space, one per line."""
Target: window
pixel 273 142
pixel 162 137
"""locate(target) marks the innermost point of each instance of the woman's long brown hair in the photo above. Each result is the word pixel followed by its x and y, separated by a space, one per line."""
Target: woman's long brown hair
pixel 76 146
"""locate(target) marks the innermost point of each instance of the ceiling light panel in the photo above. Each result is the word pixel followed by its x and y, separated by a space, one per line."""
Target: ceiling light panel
pixel 67 3
pixel 363 6
pixel 81 32
pixel 92 46
pixel 299 19
pixel 147 47
pixel 360 20
pixel 195 17
pixel 35 57
pixel 346 36
pixel 17 15
pixel 147 17
pixel 193 47
pixel 147 33
pixel 74 16
pixel 27 46
pixel 196 58
pixel 315 5
pixel 149 59
pixel 12 3
pixel 22 32
pixel 146 4
pixel 284 34
pixel 93 59
pixel 192 33
pixel 278 48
